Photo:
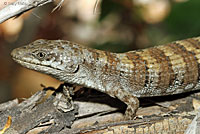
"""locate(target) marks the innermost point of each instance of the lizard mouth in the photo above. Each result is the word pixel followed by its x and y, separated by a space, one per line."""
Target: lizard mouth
pixel 35 66
pixel 47 69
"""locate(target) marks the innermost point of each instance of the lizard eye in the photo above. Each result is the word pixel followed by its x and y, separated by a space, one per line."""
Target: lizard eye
pixel 41 55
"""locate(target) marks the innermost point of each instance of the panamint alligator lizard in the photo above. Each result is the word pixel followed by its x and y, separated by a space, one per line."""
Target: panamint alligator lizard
pixel 163 70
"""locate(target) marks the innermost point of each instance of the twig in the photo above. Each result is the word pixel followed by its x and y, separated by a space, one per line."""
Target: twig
pixel 19 7
pixel 95 6
pixel 59 5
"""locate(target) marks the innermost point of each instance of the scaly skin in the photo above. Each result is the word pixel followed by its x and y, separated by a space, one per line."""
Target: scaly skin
pixel 164 70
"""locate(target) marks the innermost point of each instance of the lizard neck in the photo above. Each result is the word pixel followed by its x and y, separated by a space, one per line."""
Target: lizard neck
pixel 99 67
pixel 98 60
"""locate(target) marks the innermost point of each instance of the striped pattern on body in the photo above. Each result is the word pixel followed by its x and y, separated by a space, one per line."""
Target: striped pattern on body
pixel 162 70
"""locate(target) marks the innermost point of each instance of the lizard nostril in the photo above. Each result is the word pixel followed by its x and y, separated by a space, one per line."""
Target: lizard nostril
pixel 16 53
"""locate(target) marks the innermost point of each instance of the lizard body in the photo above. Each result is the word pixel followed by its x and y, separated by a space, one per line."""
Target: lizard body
pixel 162 70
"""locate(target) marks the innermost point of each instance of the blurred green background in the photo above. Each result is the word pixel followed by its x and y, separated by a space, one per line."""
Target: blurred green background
pixel 113 25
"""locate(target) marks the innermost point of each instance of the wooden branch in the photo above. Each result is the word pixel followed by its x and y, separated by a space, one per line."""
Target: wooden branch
pixel 95 112
pixel 50 115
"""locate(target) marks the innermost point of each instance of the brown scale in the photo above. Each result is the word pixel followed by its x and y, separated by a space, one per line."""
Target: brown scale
pixel 140 66
pixel 130 57
pixel 61 48
pixel 102 55
pixel 189 60
pixel 196 45
pixel 165 68
pixel 95 56
pixel 193 71
pixel 169 65
pixel 110 63
pixel 93 59
pixel 105 67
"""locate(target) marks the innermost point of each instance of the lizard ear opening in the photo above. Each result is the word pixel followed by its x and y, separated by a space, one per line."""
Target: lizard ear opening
pixel 76 69
pixel 72 69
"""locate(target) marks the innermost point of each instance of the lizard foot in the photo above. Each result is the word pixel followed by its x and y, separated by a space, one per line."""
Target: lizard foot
pixel 130 113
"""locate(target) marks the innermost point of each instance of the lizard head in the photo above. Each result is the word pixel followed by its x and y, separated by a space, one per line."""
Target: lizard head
pixel 53 57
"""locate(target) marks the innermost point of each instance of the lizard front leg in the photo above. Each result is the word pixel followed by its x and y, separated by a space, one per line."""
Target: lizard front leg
pixel 115 88
pixel 131 101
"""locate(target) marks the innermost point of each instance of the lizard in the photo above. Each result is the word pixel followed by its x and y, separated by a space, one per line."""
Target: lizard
pixel 167 69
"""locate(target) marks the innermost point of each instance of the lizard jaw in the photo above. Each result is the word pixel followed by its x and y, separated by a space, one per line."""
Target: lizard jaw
pixel 54 72
pixel 37 67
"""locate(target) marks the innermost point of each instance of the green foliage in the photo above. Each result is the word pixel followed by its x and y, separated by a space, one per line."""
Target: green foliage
pixel 108 7
pixel 184 19
pixel 112 47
